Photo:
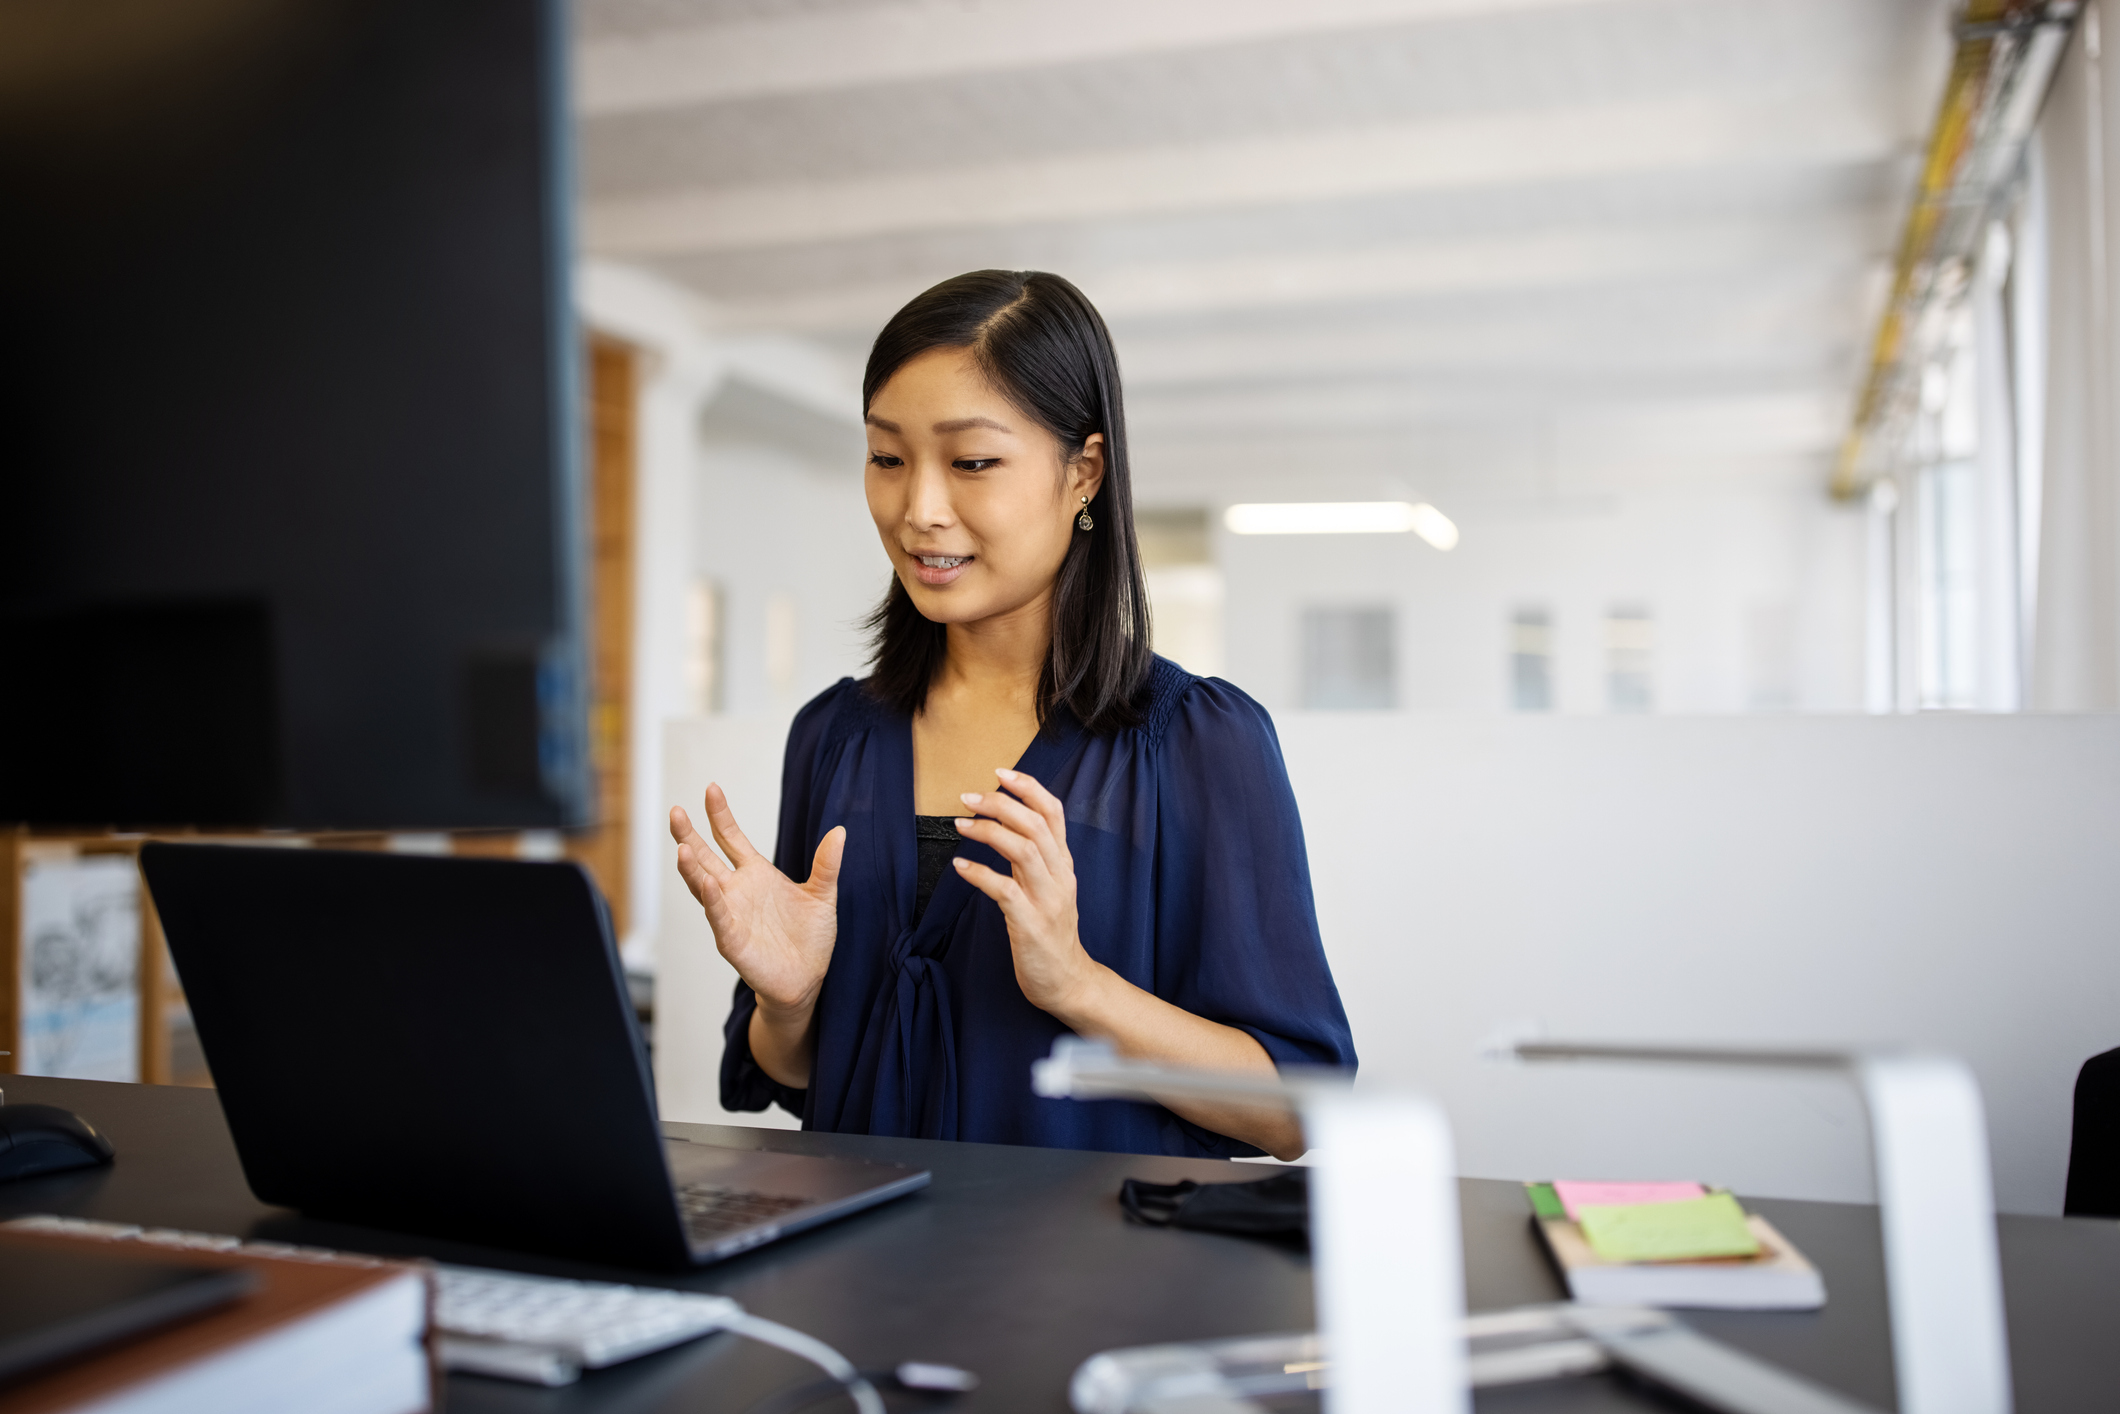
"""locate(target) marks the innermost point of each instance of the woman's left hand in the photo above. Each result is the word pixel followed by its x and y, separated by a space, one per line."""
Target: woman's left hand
pixel 1026 825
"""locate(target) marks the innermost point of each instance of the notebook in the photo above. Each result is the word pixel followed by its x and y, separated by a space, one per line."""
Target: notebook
pixel 56 1304
pixel 324 1337
pixel 1771 1276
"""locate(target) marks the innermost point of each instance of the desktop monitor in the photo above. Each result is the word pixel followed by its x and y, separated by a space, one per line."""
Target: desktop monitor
pixel 290 430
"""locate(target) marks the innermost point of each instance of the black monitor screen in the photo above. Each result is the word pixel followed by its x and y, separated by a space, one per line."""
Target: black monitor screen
pixel 289 418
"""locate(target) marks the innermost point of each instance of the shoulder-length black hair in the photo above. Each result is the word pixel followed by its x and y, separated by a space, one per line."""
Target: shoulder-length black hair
pixel 1045 348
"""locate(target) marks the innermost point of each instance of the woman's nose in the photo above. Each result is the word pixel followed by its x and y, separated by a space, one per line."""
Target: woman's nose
pixel 927 498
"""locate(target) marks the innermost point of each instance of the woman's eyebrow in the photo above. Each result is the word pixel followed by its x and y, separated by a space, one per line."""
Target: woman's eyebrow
pixel 966 424
pixel 884 423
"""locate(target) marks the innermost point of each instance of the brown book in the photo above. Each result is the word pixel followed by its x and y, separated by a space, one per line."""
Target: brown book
pixel 333 1336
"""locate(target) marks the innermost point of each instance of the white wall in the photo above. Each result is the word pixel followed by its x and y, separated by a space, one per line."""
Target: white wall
pixel 774 524
pixel 1710 563
pixel 770 524
pixel 692 982
pixel 2075 638
pixel 1938 881
pixel 759 502
pixel 679 369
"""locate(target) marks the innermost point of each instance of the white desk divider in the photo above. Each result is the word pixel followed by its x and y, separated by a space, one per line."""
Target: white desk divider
pixel 1950 1344
pixel 1385 1245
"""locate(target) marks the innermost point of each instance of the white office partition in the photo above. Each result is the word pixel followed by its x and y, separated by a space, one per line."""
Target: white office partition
pixel 1943 882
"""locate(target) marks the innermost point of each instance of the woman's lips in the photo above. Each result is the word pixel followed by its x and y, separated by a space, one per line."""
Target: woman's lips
pixel 940 569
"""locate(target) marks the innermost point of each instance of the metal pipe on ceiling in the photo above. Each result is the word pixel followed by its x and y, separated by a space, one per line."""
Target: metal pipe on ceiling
pixel 2007 52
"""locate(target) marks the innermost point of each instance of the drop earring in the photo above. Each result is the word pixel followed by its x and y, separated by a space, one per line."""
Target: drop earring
pixel 1083 522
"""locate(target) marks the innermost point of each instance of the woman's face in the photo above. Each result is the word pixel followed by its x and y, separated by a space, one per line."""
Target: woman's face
pixel 971 497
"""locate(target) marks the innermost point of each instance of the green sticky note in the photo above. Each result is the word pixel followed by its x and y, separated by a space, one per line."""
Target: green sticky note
pixel 1685 1231
pixel 1544 1201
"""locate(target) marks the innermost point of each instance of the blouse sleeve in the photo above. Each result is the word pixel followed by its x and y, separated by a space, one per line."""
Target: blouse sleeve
pixel 1236 927
pixel 745 1086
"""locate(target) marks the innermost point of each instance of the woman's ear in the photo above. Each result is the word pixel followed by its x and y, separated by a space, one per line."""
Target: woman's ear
pixel 1085 475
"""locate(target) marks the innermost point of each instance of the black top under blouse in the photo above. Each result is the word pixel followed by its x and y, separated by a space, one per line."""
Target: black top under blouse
pixel 938 839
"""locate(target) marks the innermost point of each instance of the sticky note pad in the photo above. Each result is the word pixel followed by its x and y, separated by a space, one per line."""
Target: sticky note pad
pixel 1544 1202
pixel 1575 1195
pixel 1684 1231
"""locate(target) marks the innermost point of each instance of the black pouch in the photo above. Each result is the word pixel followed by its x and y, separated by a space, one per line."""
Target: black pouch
pixel 1276 1208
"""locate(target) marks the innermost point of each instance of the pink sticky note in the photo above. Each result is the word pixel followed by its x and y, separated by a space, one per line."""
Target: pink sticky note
pixel 1574 1195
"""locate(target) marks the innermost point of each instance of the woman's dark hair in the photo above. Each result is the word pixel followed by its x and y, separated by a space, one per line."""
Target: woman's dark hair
pixel 1044 348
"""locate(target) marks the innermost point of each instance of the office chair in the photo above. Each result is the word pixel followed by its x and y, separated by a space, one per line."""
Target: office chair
pixel 2094 1144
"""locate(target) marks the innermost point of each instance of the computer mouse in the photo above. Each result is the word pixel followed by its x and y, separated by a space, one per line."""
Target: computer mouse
pixel 38 1139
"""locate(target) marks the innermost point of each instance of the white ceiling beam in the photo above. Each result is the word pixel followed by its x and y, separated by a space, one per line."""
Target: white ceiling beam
pixel 1762 424
pixel 1781 420
pixel 1456 355
pixel 1458 153
pixel 1547 260
pixel 1494 473
pixel 1192 478
pixel 1761 320
pixel 938 39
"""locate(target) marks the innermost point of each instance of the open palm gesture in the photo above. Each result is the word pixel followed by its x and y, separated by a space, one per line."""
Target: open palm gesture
pixel 776 933
pixel 1026 825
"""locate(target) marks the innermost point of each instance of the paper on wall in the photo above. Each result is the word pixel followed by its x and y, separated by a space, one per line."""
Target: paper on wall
pixel 80 962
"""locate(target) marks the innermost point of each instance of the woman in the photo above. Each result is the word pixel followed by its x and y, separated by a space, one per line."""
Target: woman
pixel 1136 875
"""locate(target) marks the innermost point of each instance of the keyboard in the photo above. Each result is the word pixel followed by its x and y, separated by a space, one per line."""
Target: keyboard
pixel 541 1330
pixel 547 1331
pixel 711 1212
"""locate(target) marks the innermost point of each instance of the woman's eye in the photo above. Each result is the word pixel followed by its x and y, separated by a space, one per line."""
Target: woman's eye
pixel 975 463
pixel 885 460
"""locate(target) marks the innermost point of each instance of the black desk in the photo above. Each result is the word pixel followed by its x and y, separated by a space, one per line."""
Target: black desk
pixel 1016 1264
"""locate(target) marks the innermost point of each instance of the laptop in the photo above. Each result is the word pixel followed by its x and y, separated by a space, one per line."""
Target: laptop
pixel 446 1046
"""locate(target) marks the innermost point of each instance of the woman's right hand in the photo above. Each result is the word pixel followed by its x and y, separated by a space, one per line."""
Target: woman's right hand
pixel 776 933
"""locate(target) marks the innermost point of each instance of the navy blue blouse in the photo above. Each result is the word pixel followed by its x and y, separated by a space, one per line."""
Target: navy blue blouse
pixel 1191 883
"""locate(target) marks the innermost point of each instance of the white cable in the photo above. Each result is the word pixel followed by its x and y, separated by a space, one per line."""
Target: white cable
pixel 810 1348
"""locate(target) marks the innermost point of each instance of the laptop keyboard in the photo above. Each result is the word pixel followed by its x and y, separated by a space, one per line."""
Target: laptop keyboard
pixel 711 1212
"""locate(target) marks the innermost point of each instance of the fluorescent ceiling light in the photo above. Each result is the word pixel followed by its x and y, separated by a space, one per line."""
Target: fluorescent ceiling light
pixel 1434 527
pixel 1343 518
